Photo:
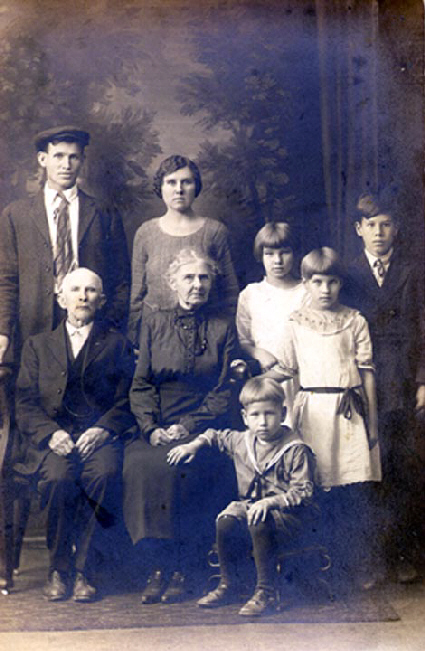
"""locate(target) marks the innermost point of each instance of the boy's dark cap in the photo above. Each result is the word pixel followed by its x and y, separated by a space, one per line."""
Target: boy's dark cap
pixel 61 133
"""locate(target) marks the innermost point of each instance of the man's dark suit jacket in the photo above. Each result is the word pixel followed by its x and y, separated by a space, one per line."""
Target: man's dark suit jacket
pixel 26 264
pixel 393 312
pixel 42 381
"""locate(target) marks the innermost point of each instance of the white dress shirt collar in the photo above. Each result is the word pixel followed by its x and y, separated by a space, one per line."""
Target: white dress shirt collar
pixel 78 336
pixel 385 259
pixel 51 194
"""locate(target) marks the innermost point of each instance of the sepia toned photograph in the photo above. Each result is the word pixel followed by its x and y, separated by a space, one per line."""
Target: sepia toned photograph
pixel 212 325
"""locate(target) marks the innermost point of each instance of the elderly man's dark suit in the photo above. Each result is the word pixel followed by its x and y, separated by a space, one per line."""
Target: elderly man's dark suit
pixel 55 392
pixel 26 264
pixel 393 313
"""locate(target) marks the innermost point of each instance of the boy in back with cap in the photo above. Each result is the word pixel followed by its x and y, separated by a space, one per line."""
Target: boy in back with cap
pixel 44 237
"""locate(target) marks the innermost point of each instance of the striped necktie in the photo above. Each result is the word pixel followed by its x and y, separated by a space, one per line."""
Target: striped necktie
pixel 380 270
pixel 63 241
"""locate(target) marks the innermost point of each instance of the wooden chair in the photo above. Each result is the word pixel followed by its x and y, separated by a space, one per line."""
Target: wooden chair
pixel 307 556
pixel 311 562
pixel 15 491
pixel 6 490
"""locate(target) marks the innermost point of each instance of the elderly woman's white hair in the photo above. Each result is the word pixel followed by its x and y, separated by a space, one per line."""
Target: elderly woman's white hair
pixel 188 256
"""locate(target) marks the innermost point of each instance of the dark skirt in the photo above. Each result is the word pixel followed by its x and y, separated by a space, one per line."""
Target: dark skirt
pixel 174 502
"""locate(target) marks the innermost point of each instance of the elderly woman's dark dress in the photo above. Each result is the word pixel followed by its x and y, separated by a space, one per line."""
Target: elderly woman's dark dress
pixel 181 377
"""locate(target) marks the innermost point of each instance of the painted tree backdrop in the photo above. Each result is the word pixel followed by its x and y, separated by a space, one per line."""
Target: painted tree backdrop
pixel 290 107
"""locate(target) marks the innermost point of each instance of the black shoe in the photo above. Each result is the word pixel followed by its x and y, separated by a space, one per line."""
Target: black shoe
pixel 261 602
pixel 56 588
pixel 221 596
pixel 176 590
pixel 84 592
pixel 154 588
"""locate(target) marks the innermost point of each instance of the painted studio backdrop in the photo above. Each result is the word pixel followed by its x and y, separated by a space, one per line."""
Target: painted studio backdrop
pixel 291 107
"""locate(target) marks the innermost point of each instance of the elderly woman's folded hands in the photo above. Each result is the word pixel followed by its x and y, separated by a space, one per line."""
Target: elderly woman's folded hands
pixel 161 436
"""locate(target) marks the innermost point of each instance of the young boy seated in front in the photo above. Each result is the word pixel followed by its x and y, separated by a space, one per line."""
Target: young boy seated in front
pixel 274 471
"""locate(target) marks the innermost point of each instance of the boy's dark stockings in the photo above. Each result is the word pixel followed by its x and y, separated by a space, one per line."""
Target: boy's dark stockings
pixel 234 539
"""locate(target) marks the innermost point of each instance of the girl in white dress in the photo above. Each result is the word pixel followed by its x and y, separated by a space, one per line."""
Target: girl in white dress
pixel 328 347
pixel 264 307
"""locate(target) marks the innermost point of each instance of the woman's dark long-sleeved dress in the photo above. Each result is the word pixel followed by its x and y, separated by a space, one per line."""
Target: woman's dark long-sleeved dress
pixel 181 377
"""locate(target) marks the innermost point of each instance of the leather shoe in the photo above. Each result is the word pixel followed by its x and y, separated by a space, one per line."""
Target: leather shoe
pixel 221 596
pixel 176 589
pixel 84 592
pixel 261 602
pixel 154 588
pixel 56 588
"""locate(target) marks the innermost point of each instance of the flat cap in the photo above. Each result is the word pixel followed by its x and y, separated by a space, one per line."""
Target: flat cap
pixel 66 132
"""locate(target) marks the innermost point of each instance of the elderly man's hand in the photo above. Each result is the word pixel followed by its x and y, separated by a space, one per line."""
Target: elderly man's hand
pixel 90 440
pixel 61 443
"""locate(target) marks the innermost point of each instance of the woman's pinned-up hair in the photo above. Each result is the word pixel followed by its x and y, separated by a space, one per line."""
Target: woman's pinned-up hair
pixel 172 164
pixel 275 235
pixel 322 261
pixel 188 256
pixel 260 389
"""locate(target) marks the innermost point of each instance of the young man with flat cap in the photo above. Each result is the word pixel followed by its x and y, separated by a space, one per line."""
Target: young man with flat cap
pixel 72 408
pixel 44 237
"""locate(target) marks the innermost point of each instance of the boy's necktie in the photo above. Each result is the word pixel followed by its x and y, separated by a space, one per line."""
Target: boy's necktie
pixel 63 241
pixel 380 270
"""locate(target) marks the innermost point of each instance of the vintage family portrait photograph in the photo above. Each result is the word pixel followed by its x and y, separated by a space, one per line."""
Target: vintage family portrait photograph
pixel 212 325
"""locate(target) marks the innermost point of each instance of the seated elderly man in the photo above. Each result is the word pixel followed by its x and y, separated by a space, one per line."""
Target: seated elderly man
pixel 72 407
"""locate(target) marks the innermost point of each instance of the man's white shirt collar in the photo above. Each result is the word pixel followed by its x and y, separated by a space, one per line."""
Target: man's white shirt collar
pixel 385 259
pixel 51 194
pixel 78 336
pixel 83 330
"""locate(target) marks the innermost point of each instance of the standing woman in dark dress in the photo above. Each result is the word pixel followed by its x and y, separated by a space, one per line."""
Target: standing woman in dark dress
pixel 180 388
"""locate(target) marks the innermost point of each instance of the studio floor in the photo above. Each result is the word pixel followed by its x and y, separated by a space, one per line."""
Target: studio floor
pixel 119 622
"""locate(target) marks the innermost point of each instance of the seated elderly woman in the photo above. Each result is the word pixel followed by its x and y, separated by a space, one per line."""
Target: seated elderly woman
pixel 179 389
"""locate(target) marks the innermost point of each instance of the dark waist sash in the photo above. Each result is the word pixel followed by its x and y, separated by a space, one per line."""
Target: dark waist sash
pixel 351 399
